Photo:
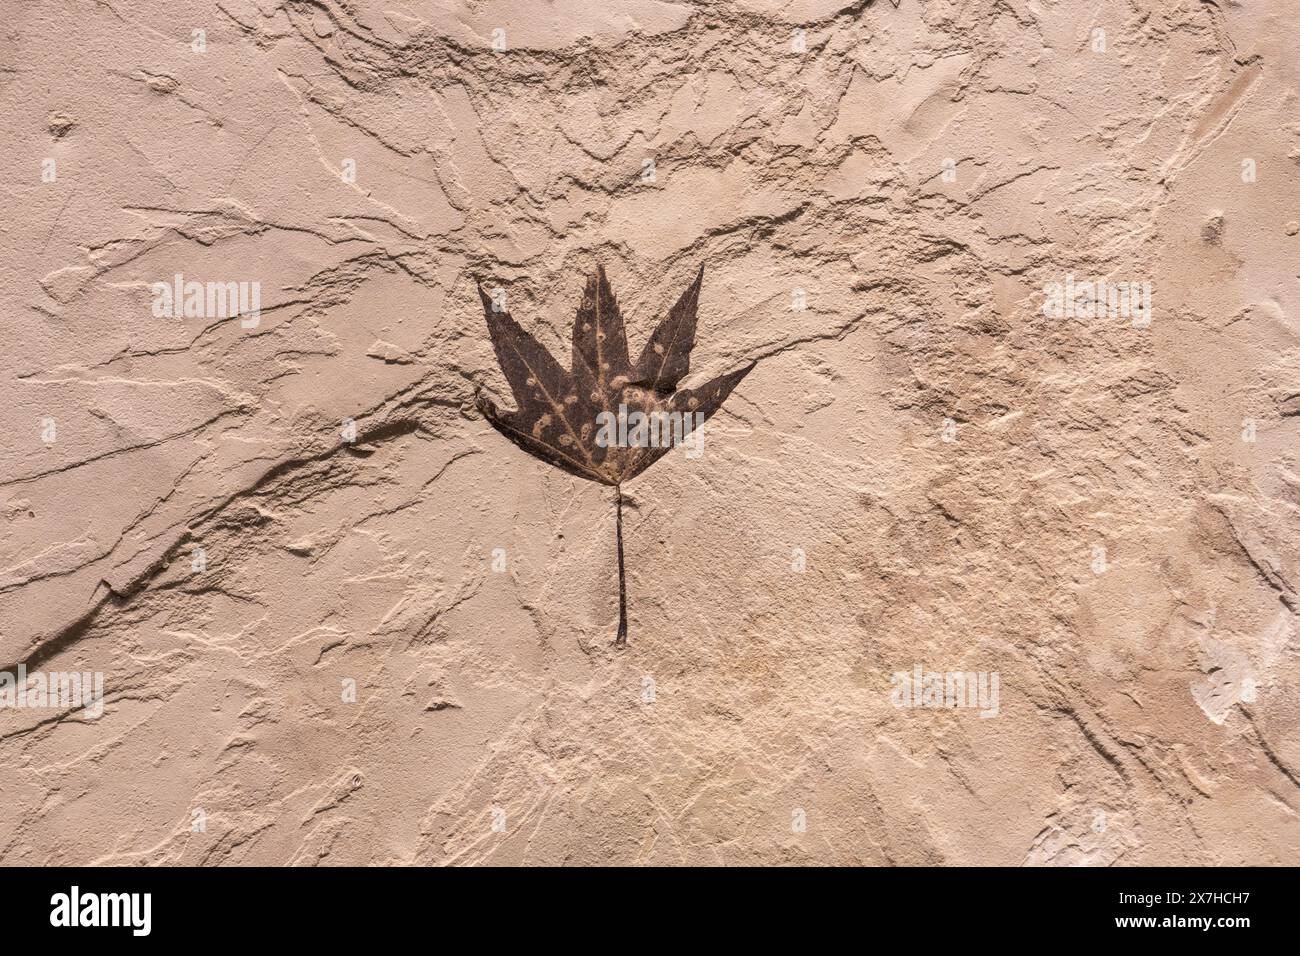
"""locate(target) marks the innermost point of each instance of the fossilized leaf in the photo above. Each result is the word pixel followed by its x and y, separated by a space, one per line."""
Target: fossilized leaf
pixel 556 416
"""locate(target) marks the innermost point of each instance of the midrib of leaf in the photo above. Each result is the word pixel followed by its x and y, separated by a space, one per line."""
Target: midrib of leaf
pixel 598 373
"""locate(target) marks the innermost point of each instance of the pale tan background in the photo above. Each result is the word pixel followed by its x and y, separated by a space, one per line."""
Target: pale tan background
pixel 1122 737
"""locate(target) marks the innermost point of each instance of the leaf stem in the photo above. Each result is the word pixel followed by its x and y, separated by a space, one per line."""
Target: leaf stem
pixel 621 639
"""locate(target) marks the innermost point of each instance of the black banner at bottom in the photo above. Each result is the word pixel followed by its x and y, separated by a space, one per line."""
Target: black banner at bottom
pixel 333 906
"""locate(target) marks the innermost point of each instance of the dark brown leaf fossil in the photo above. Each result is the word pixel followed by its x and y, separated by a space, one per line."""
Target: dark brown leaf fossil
pixel 606 418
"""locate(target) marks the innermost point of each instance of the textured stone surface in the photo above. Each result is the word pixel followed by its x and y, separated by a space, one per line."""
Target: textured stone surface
pixel 950 460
